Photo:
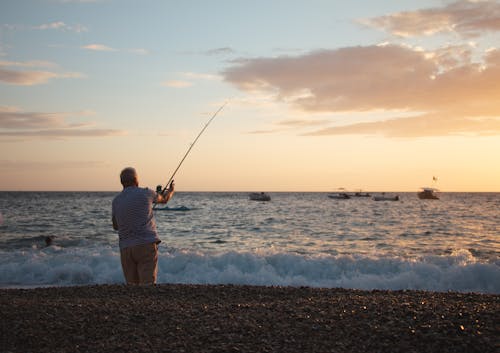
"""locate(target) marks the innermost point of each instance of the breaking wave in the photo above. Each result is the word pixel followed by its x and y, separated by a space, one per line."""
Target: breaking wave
pixel 57 266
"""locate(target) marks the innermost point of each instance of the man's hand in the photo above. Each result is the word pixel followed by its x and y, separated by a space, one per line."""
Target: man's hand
pixel 166 195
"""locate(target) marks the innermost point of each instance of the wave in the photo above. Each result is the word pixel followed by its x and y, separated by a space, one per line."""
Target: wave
pixel 57 266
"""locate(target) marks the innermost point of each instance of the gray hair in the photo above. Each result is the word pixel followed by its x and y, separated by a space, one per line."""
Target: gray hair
pixel 128 176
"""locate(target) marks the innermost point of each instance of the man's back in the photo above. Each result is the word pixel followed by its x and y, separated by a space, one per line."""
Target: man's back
pixel 132 209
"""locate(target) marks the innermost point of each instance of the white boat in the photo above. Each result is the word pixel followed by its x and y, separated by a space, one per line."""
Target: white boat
pixel 259 196
pixel 383 197
pixel 428 194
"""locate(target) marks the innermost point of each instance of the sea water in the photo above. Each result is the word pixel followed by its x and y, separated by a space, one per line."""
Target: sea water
pixel 296 239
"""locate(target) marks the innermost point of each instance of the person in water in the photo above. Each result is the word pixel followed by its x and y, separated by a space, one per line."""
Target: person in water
pixel 132 216
pixel 49 240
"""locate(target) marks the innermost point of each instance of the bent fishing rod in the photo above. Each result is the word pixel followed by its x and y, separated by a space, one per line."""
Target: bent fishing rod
pixel 191 146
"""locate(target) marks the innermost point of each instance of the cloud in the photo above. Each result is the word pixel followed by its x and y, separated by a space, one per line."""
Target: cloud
pixel 30 77
pixel 58 133
pixel 98 47
pixel 263 132
pixel 16 123
pixel 177 84
pixel 200 76
pixel 419 126
pixel 139 51
pixel 468 18
pixel 290 124
pixel 220 51
pixel 59 25
pixel 12 118
pixel 188 78
pixel 79 1
pixel 105 48
pixel 355 78
pixel 52 25
pixel 25 78
pixel 297 122
pixel 56 25
pixel 33 63
pixel 442 86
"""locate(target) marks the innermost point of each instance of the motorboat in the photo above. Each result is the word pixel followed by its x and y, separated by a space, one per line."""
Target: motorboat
pixel 361 194
pixel 339 196
pixel 259 196
pixel 427 194
pixel 383 197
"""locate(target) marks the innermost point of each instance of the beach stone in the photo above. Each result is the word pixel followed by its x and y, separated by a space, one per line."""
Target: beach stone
pixel 230 318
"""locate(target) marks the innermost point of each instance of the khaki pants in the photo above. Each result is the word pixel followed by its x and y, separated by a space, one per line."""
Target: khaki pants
pixel 140 263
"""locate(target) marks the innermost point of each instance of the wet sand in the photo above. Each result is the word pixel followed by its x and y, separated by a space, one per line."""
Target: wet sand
pixel 227 318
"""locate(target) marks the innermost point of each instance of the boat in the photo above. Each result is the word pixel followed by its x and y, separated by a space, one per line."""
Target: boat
pixel 339 196
pixel 361 194
pixel 428 194
pixel 383 197
pixel 259 196
pixel 180 208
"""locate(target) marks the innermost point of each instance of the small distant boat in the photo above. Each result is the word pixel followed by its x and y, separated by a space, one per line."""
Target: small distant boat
pixel 361 194
pixel 339 196
pixel 259 196
pixel 428 194
pixel 383 197
pixel 180 208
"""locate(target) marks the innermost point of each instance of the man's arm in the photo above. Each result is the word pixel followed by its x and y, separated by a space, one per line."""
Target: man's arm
pixel 115 223
pixel 167 195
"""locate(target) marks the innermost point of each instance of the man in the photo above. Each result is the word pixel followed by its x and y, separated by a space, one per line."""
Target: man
pixel 132 215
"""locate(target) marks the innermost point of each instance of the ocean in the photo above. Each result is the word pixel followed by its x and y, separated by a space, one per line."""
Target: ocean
pixel 296 239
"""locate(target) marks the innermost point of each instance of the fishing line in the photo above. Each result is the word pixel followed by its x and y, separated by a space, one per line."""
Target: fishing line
pixel 191 146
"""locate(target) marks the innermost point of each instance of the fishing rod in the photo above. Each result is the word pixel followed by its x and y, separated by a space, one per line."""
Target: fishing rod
pixel 191 146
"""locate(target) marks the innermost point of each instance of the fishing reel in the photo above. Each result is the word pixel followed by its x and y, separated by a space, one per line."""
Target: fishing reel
pixel 159 188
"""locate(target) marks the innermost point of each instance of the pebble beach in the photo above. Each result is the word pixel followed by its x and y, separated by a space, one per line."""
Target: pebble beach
pixel 232 318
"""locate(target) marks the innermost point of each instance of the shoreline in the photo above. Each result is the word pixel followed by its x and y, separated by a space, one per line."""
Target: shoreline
pixel 242 318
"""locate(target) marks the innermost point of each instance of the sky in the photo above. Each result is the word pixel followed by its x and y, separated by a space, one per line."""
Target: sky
pixel 373 95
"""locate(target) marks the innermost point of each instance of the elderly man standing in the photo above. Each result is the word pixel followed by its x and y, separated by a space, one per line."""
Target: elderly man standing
pixel 132 215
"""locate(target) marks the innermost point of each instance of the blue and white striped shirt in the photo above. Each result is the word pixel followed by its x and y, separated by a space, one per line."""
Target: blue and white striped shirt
pixel 133 211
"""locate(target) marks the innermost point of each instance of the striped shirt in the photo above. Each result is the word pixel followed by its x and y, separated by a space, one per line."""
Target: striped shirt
pixel 133 211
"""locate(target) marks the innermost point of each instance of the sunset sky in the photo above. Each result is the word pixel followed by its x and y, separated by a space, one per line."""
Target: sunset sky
pixel 378 95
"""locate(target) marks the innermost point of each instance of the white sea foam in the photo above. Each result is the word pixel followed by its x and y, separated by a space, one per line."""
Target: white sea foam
pixel 75 266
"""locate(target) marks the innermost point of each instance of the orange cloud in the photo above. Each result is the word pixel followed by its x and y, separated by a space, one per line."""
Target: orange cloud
pixel 467 18
pixel 25 78
pixel 30 77
pixel 419 126
pixel 388 78
pixel 15 123
pixel 355 78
